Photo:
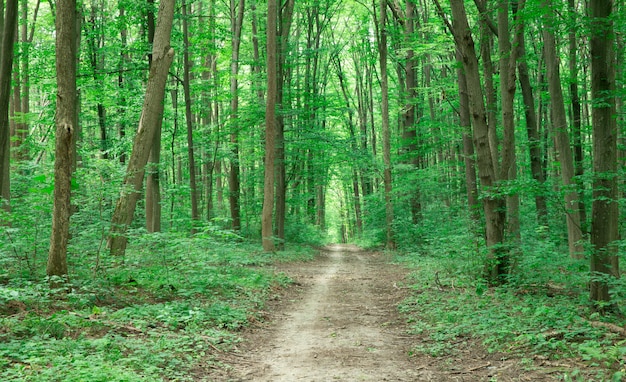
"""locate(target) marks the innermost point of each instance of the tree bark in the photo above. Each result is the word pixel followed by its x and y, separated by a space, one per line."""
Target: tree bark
pixel 152 112
pixel 195 215
pixel 120 78
pixel 236 22
pixel 496 266
pixel 532 131
pixel 559 122
pixel 486 43
pixel 576 115
pixel 270 127
pixel 508 59
pixel 285 15
pixel 386 134
pixel 66 120
pixel 604 219
pixel 6 69
pixel 468 146
pixel 153 178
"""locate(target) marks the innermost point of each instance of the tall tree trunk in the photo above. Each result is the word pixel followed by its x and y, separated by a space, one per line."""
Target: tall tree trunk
pixel 410 109
pixel 151 113
pixel 576 115
pixel 508 59
pixel 95 41
pixel 386 134
pixel 468 146
pixel 572 213
pixel 532 131
pixel 21 151
pixel 153 178
pixel 496 266
pixel 195 214
pixel 120 77
pixel 285 18
pixel 604 219
pixel 6 69
pixel 354 144
pixel 236 23
pixel 486 42
pixel 270 126
pixel 66 120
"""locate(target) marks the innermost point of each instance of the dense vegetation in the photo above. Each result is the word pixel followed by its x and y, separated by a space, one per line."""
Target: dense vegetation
pixel 147 191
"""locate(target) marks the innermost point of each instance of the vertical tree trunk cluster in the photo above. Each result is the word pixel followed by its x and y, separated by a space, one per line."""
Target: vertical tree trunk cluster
pixel 493 204
pixel 151 115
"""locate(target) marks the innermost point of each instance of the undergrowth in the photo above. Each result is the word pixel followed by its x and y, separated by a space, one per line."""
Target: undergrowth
pixel 541 315
pixel 161 312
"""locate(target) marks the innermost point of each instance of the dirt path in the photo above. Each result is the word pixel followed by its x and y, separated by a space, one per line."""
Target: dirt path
pixel 343 325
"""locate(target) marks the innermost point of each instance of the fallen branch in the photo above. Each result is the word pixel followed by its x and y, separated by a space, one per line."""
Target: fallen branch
pixel 467 371
pixel 611 327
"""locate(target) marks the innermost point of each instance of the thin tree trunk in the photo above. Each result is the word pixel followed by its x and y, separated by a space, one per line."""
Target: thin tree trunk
pixel 152 112
pixel 354 144
pixel 195 215
pixel 236 22
pixel 120 79
pixel 490 92
pixel 410 108
pixel 22 123
pixel 153 178
pixel 572 212
pixel 285 19
pixel 95 41
pixel 65 128
pixel 604 223
pixel 468 146
pixel 508 59
pixel 270 126
pixel 576 116
pixel 534 141
pixel 386 134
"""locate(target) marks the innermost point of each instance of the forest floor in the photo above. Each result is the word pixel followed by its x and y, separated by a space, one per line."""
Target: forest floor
pixel 341 323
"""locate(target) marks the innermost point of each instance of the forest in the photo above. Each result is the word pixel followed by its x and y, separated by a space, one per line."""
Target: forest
pixel 161 160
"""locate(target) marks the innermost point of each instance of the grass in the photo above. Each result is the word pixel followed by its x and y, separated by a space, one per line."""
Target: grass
pixel 160 314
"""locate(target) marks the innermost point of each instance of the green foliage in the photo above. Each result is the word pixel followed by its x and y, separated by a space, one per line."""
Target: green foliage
pixel 542 312
pixel 160 314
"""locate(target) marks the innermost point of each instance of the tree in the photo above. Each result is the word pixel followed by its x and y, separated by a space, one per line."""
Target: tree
pixel 604 219
pixel 532 131
pixel 6 69
pixel 382 50
pixel 236 22
pixel 66 121
pixel 496 265
pixel 153 179
pixel 195 215
pixel 270 127
pixel 559 122
pixel 508 69
pixel 151 114
pixel 285 17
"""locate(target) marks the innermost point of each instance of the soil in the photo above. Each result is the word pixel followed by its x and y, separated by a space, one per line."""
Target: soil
pixel 341 323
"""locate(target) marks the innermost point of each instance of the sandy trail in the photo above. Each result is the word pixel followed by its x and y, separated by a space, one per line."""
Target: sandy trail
pixel 344 327
pixel 342 324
